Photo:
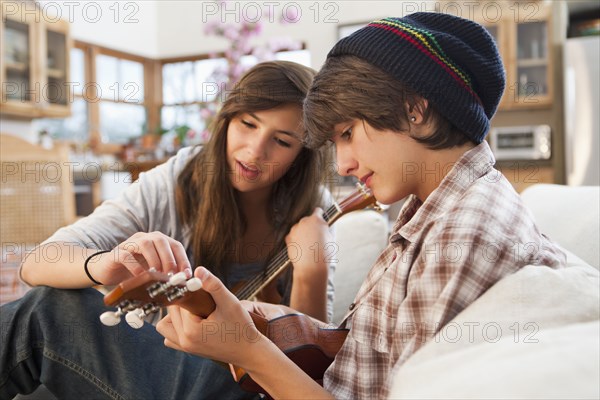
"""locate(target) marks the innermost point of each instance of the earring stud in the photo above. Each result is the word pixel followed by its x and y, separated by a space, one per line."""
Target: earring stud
pixel 413 118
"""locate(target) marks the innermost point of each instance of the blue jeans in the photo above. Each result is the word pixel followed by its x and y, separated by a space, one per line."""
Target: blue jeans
pixel 54 337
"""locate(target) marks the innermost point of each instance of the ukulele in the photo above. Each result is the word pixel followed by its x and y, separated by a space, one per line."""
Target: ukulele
pixel 308 345
pixel 311 347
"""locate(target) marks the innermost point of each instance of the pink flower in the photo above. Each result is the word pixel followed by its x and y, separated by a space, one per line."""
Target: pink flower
pixel 231 33
pixel 236 71
pixel 257 29
pixel 239 37
pixel 246 48
pixel 206 113
pixel 211 27
pixel 290 16
pixel 205 135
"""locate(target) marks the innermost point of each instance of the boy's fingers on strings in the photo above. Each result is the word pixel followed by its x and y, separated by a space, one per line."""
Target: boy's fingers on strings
pixel 182 329
pixel 318 212
pixel 214 286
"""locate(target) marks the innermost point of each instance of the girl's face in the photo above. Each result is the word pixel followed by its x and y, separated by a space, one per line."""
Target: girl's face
pixel 262 145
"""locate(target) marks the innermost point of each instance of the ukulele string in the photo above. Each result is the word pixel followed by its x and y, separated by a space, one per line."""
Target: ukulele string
pixel 278 262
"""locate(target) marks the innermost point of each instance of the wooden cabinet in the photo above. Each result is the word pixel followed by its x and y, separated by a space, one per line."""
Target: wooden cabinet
pixel 34 71
pixel 523 33
pixel 522 174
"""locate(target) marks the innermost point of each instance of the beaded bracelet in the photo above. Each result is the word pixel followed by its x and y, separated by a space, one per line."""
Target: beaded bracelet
pixel 85 265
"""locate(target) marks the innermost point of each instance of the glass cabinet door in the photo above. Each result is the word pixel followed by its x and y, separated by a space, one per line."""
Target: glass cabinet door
pixel 17 59
pixel 34 68
pixel 498 33
pixel 56 60
pixel 493 30
pixel 57 89
pixel 532 60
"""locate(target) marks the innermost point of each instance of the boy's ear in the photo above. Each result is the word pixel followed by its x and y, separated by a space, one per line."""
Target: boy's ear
pixel 416 112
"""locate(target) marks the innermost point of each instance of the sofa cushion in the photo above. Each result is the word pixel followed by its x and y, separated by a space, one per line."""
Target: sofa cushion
pixel 361 237
pixel 559 363
pixel 532 335
pixel 568 215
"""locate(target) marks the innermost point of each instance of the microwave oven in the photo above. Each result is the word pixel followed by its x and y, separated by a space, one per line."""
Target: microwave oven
pixel 531 142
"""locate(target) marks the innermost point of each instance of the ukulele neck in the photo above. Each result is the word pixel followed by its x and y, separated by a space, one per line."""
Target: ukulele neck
pixel 280 262
pixel 358 200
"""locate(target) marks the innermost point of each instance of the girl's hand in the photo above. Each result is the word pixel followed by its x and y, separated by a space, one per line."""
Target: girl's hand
pixel 228 334
pixel 137 254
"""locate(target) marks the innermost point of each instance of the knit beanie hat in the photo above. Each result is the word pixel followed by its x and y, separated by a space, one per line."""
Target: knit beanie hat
pixel 450 61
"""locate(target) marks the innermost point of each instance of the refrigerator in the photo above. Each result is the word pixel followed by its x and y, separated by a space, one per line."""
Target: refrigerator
pixel 582 110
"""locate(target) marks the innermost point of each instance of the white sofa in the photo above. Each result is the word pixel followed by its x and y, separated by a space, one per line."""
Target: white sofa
pixel 535 334
pixel 538 330
pixel 360 236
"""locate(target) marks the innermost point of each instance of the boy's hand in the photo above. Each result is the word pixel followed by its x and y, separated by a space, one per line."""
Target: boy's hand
pixel 307 243
pixel 228 334
pixel 137 254
pixel 267 310
pixel 310 246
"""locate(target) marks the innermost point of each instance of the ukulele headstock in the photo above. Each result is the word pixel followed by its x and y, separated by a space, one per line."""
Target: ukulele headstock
pixel 144 294
pixel 359 199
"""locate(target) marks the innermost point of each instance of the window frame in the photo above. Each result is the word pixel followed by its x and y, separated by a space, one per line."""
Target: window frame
pixel 153 90
pixel 193 58
pixel 152 93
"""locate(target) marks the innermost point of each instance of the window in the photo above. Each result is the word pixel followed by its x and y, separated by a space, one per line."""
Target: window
pixel 188 85
pixel 120 89
pixel 110 104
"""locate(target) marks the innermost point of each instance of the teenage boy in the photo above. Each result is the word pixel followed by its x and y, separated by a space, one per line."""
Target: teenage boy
pixel 407 103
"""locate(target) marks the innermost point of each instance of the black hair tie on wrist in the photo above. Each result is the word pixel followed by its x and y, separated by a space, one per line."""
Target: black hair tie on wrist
pixel 85 265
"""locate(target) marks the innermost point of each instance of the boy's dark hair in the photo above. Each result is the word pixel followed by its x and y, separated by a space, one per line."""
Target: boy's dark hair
pixel 451 62
pixel 349 88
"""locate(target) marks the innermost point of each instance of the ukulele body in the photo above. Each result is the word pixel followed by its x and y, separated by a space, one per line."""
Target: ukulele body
pixel 308 345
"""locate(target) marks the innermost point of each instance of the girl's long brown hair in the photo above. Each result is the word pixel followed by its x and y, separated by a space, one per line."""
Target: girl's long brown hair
pixel 206 201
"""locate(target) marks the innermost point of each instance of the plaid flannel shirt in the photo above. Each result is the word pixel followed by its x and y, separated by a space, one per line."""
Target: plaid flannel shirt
pixel 442 255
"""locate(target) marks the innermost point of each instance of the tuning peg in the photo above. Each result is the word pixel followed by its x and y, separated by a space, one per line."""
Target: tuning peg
pixel 193 284
pixel 362 187
pixel 135 318
pixel 177 279
pixel 111 318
